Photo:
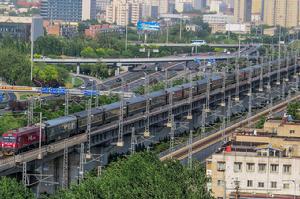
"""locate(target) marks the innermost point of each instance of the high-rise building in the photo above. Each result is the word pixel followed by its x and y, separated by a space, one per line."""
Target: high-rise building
pixel 73 11
pixel 281 12
pixel 257 10
pixel 163 6
pixel 183 5
pixel 199 4
pixel 242 10
pixel 122 12
pixel 101 5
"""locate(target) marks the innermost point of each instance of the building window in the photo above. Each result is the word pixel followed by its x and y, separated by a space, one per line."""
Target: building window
pixel 249 183
pixel 220 183
pixel 237 167
pixel 286 186
pixel 221 166
pixel 287 169
pixel 292 131
pixel 250 167
pixel 261 185
pixel 261 167
pixel 273 184
pixel 274 168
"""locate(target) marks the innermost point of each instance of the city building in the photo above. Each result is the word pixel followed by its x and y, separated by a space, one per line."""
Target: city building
pixel 61 28
pixel 183 5
pixel 217 22
pixel 199 4
pixel 256 165
pixel 281 12
pixel 71 11
pixel 240 28
pixel 242 11
pixel 95 30
pixel 257 11
pixel 101 5
pixel 20 27
pixel 217 6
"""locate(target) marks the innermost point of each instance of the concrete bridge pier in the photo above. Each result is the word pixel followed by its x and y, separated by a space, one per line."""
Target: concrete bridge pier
pixel 78 68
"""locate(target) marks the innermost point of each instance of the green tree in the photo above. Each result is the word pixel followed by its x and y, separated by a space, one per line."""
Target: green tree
pixel 9 122
pixel 88 52
pixel 14 67
pixel 293 110
pixel 10 188
pixel 143 176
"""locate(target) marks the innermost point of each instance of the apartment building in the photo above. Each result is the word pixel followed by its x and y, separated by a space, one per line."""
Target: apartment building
pixel 281 12
pixel 242 10
pixel 71 11
pixel 260 163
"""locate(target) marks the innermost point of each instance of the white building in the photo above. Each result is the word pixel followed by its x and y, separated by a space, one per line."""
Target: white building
pixel 217 18
pixel 238 28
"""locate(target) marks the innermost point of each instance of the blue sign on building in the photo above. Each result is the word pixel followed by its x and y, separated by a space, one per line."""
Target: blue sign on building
pixel 148 26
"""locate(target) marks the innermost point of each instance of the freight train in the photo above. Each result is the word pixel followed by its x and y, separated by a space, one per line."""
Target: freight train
pixel 26 138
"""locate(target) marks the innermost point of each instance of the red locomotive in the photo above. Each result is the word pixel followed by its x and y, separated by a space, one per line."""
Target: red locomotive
pixel 22 139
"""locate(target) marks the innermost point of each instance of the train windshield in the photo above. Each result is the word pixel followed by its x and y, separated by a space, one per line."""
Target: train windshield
pixel 10 139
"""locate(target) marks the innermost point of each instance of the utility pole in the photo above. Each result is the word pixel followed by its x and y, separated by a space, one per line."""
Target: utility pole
pixel 223 104
pixel 126 27
pixel 250 97
pixel 229 111
pixel 81 163
pixel 203 118
pixel 207 101
pixel 279 58
pixel 180 32
pixel 172 134
pixel 30 112
pixel 133 141
pixel 170 111
pixel 40 137
pixel 190 111
pixel 67 103
pixel 65 182
pixel 237 76
pixel 24 174
pixel 261 78
pixel 88 128
pixel 147 125
pixel 120 142
pixel 190 155
pixel 31 51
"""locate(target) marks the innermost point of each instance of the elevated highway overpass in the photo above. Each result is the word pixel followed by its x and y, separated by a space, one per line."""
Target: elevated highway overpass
pixel 130 61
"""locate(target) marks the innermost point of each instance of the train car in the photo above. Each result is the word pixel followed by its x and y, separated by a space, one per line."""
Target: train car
pixel 22 139
pixel 60 128
pixel 112 112
pixel 96 119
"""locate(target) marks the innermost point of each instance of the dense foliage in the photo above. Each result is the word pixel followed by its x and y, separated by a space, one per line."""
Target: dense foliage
pixel 10 188
pixel 142 175
pixel 293 110
pixel 8 122
pixel 14 67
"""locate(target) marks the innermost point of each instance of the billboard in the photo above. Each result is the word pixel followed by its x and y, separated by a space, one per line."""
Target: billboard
pixel 148 26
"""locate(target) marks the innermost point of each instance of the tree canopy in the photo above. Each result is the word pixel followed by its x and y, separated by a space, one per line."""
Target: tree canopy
pixel 142 175
pixel 10 188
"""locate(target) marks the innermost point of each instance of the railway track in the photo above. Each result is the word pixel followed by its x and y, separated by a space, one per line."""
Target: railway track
pixel 199 145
